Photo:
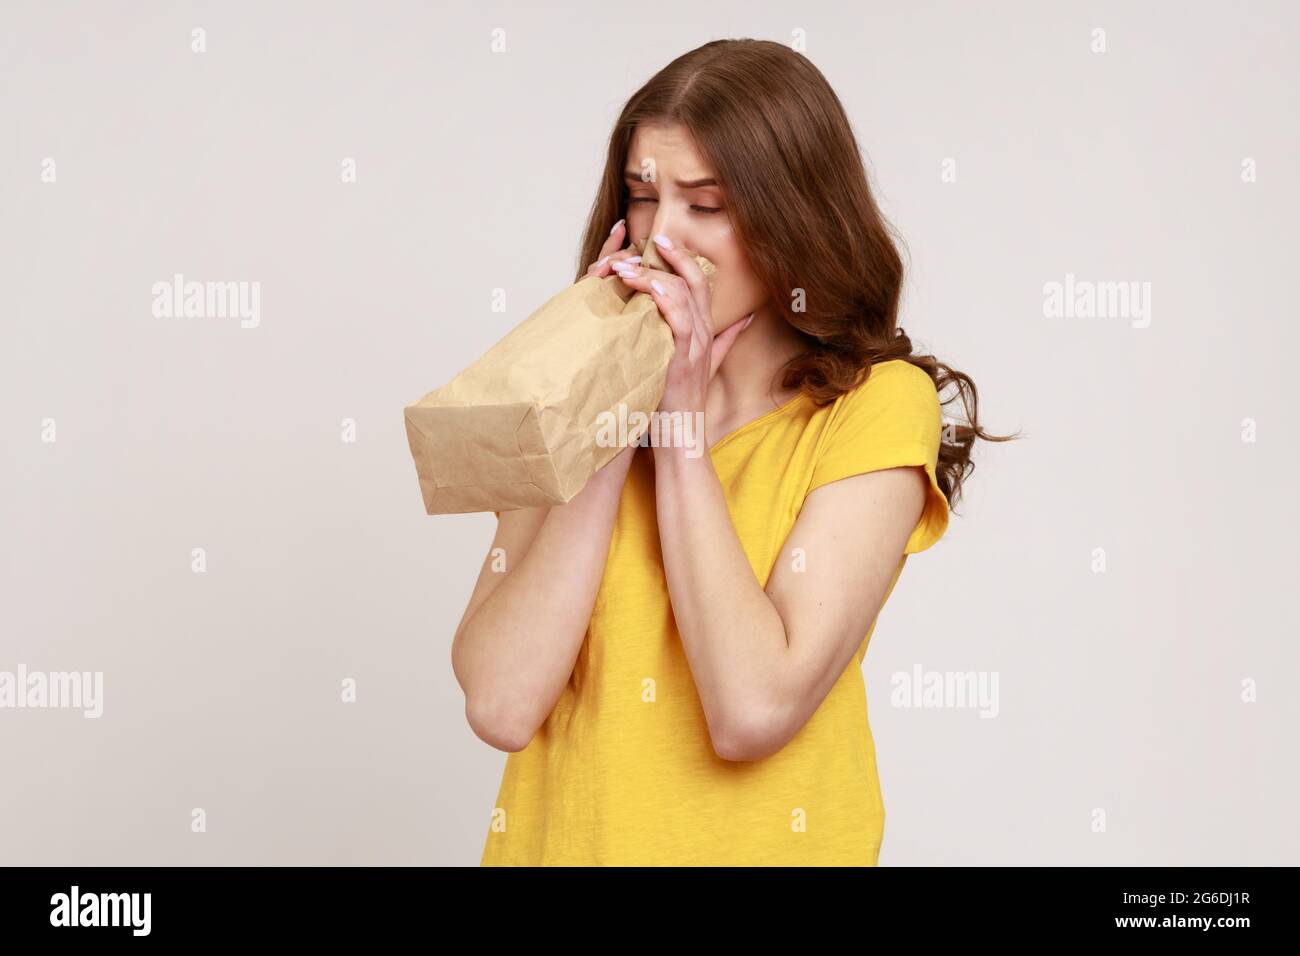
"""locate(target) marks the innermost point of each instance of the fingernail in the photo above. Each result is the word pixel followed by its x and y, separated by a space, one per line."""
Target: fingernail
pixel 615 226
pixel 626 272
pixel 664 242
pixel 631 260
pixel 654 284
pixel 747 321
pixel 602 262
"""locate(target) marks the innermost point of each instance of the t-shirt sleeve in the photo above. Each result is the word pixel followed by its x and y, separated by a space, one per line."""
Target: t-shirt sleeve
pixel 892 419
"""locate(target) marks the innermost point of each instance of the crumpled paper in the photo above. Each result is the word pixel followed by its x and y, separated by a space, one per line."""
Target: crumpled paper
pixel 519 427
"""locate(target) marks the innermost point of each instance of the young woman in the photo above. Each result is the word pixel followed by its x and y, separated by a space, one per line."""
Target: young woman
pixel 673 659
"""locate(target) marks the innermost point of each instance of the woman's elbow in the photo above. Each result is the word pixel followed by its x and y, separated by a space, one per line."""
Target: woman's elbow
pixel 498 727
pixel 752 732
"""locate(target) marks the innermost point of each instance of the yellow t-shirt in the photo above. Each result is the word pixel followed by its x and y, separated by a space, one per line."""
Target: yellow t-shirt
pixel 622 772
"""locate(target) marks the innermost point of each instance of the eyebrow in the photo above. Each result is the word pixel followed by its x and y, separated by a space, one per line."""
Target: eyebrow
pixel 635 176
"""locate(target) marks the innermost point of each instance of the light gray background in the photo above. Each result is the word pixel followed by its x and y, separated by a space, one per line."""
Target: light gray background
pixel 1118 691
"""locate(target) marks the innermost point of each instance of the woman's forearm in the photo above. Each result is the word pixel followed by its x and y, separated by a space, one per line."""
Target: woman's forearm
pixel 517 650
pixel 732 634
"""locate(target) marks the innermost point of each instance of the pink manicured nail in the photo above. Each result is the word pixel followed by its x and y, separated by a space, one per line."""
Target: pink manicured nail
pixel 654 284
pixel 615 226
pixel 664 242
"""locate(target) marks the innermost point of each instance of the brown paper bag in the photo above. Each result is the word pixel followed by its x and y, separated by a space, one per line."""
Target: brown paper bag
pixel 518 428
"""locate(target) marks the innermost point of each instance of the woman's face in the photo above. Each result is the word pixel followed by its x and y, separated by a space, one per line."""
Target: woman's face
pixel 672 192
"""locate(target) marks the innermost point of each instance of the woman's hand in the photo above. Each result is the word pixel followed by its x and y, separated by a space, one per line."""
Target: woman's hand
pixel 683 300
pixel 612 251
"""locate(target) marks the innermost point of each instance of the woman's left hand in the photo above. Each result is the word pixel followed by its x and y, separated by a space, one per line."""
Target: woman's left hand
pixel 683 300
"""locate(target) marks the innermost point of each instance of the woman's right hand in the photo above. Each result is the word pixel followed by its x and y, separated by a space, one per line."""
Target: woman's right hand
pixel 612 251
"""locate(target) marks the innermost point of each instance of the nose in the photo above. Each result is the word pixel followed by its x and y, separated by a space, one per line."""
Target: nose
pixel 669 222
pixel 662 222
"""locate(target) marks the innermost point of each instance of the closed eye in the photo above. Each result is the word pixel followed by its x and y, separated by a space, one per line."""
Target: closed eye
pixel 706 210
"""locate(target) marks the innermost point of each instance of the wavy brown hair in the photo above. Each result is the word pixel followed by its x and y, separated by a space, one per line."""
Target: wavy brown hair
pixel 792 175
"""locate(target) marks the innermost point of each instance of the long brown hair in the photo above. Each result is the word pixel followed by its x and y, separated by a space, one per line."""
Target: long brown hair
pixel 796 190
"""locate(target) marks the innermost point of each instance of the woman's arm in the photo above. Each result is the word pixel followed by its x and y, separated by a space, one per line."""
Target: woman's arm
pixel 518 639
pixel 516 644
pixel 763 660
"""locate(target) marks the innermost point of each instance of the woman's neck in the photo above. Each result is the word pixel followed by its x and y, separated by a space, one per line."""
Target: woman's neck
pixel 746 384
